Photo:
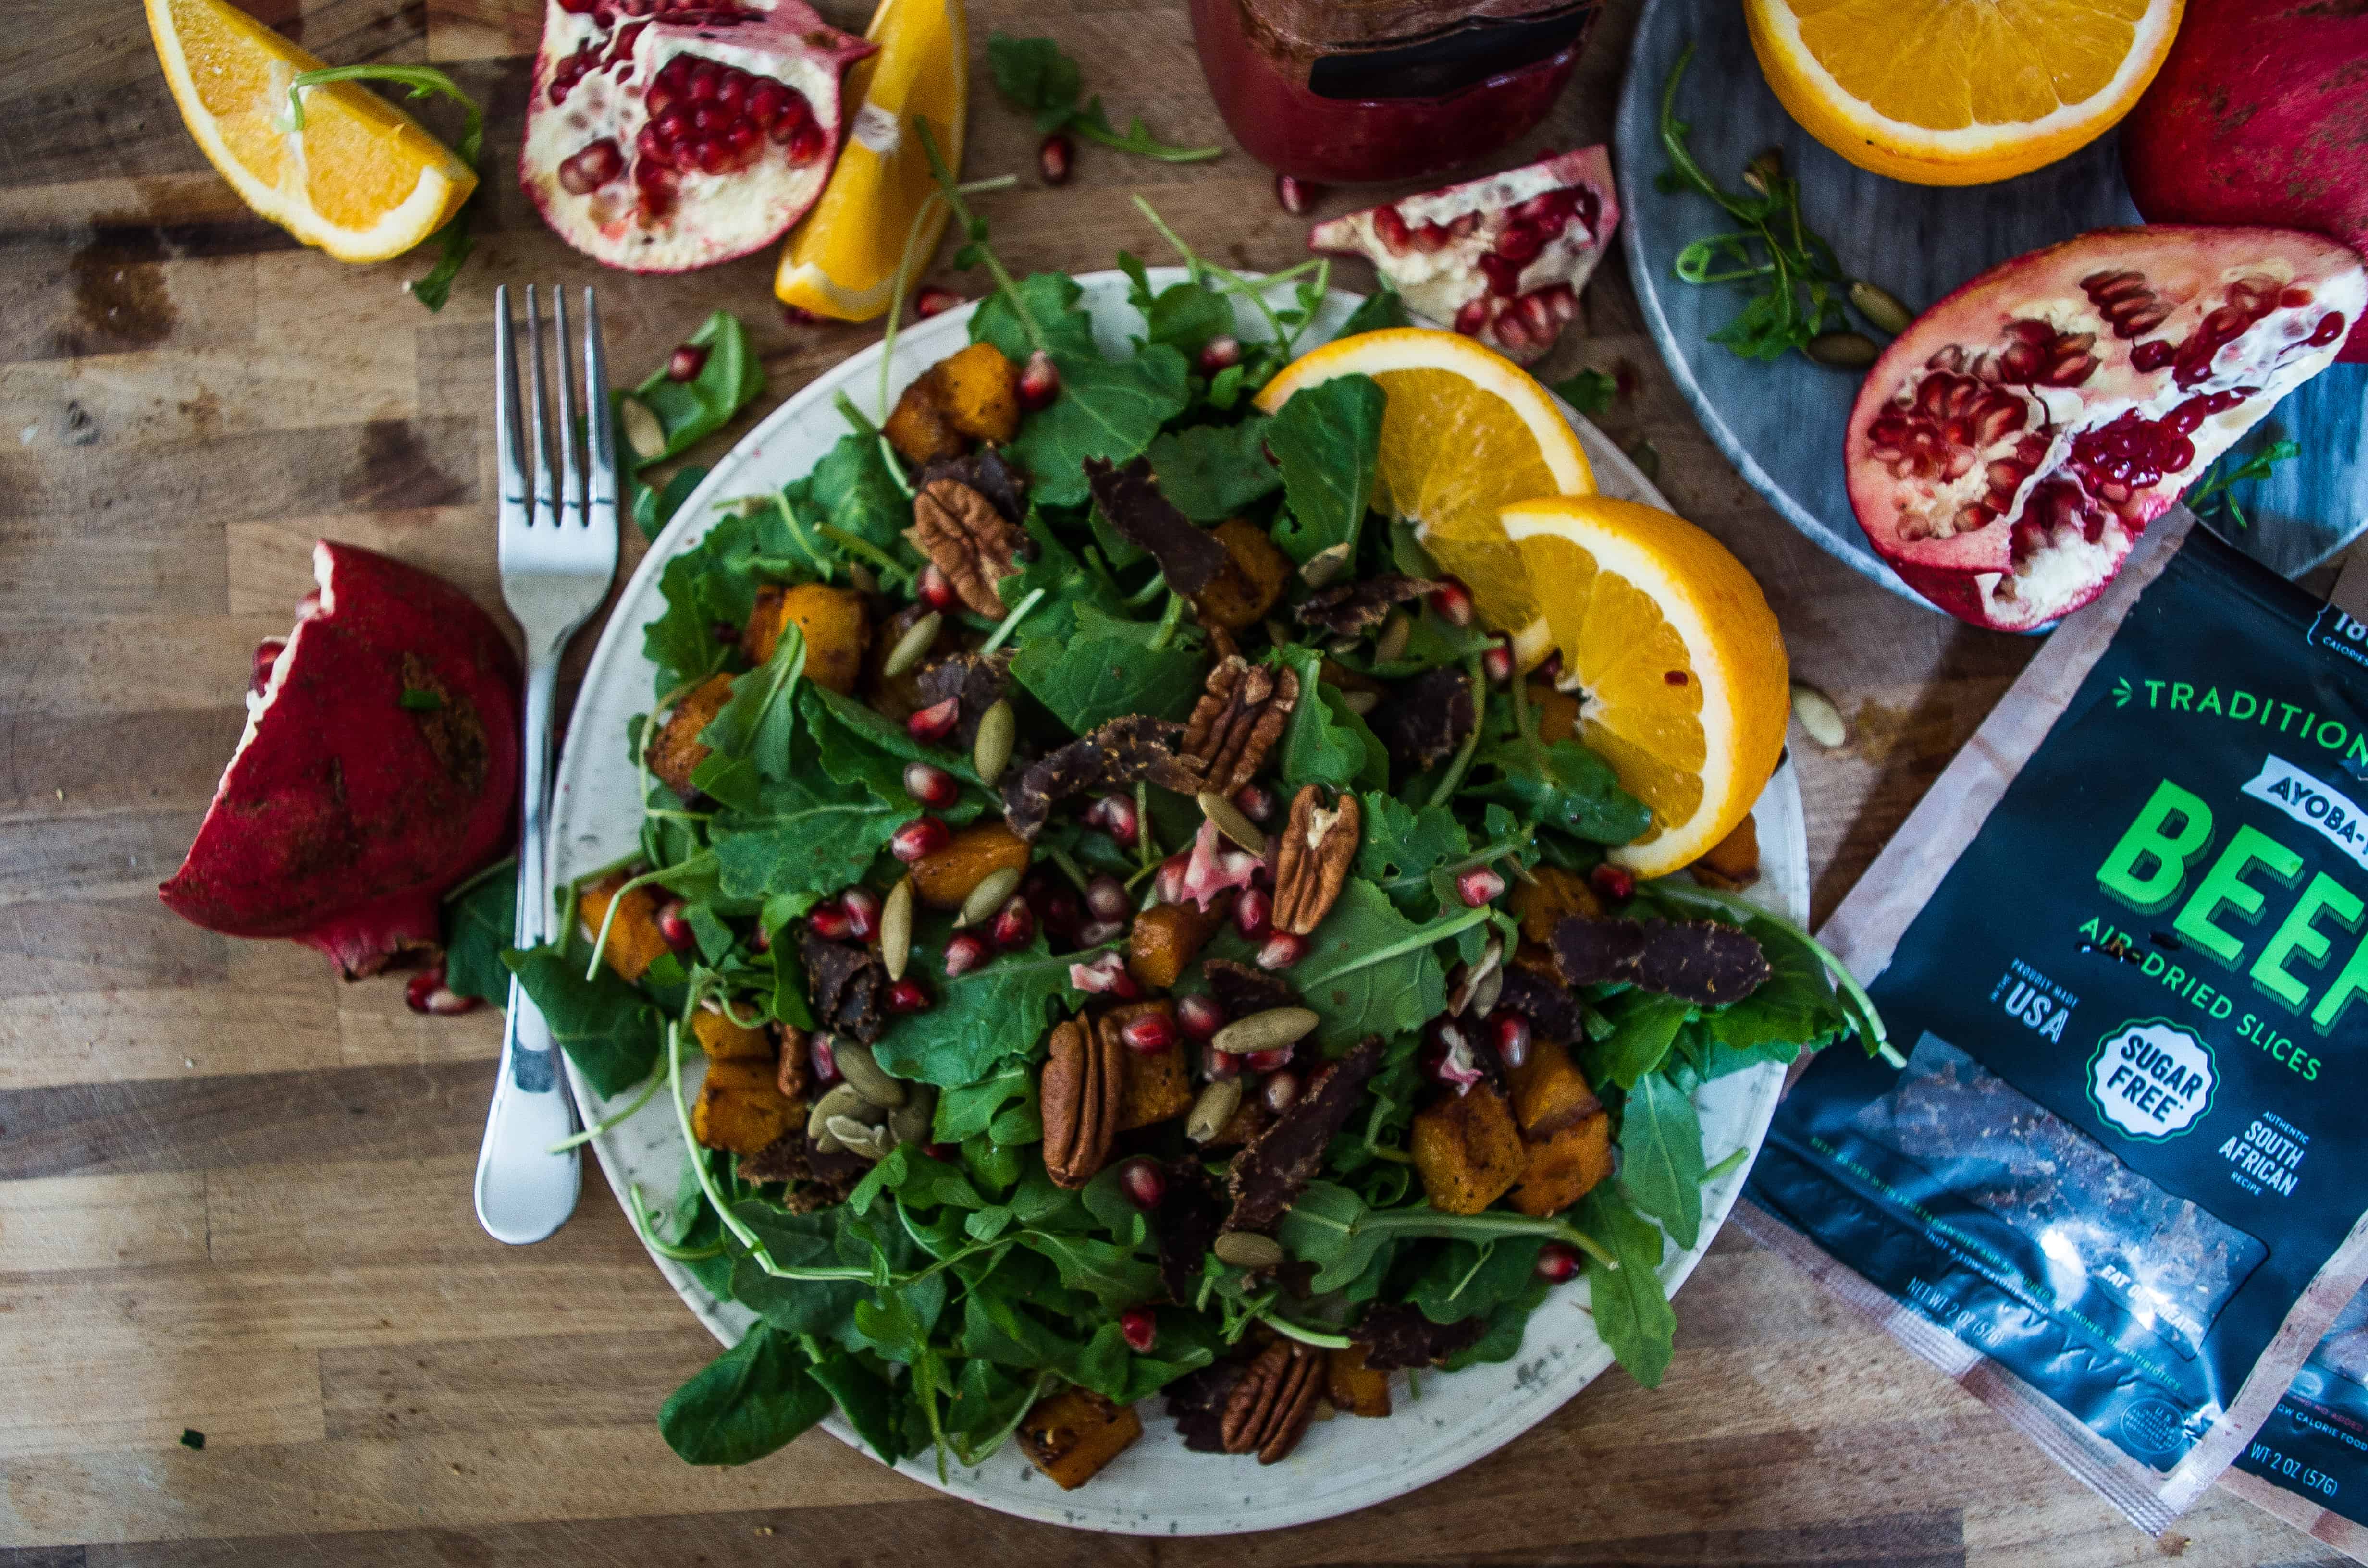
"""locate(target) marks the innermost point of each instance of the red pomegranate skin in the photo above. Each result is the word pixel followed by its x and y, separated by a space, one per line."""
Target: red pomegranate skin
pixel 2259 116
pixel 345 814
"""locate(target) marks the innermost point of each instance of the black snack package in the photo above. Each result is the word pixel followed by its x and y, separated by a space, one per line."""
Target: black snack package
pixel 2309 1464
pixel 2117 1188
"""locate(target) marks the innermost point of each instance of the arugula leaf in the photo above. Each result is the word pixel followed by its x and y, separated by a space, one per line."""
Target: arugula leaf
pixel 1589 392
pixel 917 1180
pixel 747 1402
pixel 1036 78
pixel 1183 315
pixel 854 489
pixel 1384 307
pixel 1325 741
pixel 867 1401
pixel 608 1028
pixel 997 1010
pixel 1368 970
pixel 1051 299
pixel 1644 1027
pixel 1065 584
pixel 1107 1271
pixel 1501 1340
pixel 1794 1009
pixel 712 583
pixel 972 1109
pixel 1106 409
pixel 1213 471
pixel 1631 1311
pixel 655 508
pixel 1561 785
pixel 802 842
pixel 1661 1155
pixel 478 925
pixel 860 745
pixel 689 411
pixel 1105 669
pixel 751 736
pixel 1326 441
pixel 1402 848
pixel 820 1308
pixel 1333 1228
pixel 1468 1279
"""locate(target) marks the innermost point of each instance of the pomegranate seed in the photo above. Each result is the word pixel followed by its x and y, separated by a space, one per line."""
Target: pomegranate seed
pixel 1512 1032
pixel 964 952
pixel 761 940
pixel 823 1057
pixel 1257 802
pixel 935 723
pixel 930 785
pixel 1612 882
pixel 1497 660
pixel 266 653
pixel 1430 239
pixel 427 992
pixel 1254 913
pixel 1056 157
pixel 1390 228
pixel 1168 883
pixel 1480 885
pixel 595 165
pixel 798 315
pixel 674 927
pixel 1106 897
pixel 949 1152
pixel 1149 1034
pixel 862 907
pixel 1199 1015
pixel 1452 602
pixel 1472 317
pixel 807 143
pixel 1114 814
pixel 1039 383
pixel 1520 244
pixel 1280 1092
pixel 1100 931
pixel 938 590
pixel 1141 1329
pixel 932 300
pixel 1015 924
pixel 1504 276
pixel 1106 975
pixel 830 921
pixel 1298 197
pixel 1274 1059
pixel 924 836
pixel 1220 354
pixel 1550 672
pixel 685 363
pixel 908 996
pixel 1057 909
pixel 1221 1063
pixel 1143 1182
pixel 1557 1262
pixel 1282 950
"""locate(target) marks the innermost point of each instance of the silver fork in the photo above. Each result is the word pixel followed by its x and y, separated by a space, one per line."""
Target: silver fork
pixel 558 553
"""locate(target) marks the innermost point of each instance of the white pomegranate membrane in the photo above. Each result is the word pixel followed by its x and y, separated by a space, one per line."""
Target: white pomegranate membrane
pixel 1501 258
pixel 2007 449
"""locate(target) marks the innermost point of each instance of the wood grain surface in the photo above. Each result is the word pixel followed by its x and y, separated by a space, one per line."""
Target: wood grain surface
pixel 234 1193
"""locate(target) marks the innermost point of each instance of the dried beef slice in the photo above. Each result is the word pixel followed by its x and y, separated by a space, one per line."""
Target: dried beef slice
pixel 1130 499
pixel 1554 1012
pixel 1700 961
pixel 1273 1171
pixel 1118 753
pixel 1197 1403
pixel 1186 1224
pixel 816 1180
pixel 1396 1335
pixel 846 986
pixel 1350 610
pixel 1427 718
pixel 1241 990
pixel 977 682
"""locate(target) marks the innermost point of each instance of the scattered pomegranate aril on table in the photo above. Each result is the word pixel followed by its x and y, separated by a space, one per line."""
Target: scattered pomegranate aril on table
pixel 1056 157
pixel 2009 447
pixel 1501 258
pixel 1296 196
pixel 685 363
pixel 932 300
pixel 427 992
pixel 1039 382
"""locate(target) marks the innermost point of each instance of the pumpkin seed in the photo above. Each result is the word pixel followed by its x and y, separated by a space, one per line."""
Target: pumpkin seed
pixel 896 928
pixel 998 728
pixel 1214 1110
pixel 1843 350
pixel 1269 1030
pixel 1764 170
pixel 1819 716
pixel 1230 821
pixel 988 896
pixel 863 1071
pixel 1489 992
pixel 1391 645
pixel 826 1145
pixel 840 1100
pixel 1360 702
pixel 1882 307
pixel 912 1120
pixel 1324 565
pixel 869 1143
pixel 643 431
pixel 914 645
pixel 1248 1249
pixel 863 576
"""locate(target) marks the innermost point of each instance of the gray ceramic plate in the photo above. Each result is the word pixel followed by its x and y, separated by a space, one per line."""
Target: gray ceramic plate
pixel 1781 424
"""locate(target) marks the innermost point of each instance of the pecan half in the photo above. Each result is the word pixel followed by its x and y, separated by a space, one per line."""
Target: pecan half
pixel 1238 719
pixel 1084 1079
pixel 1270 1404
pixel 965 537
pixel 1313 859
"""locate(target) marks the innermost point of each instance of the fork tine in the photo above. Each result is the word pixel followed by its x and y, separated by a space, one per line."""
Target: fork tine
pixel 571 472
pixel 505 410
pixel 546 503
pixel 601 414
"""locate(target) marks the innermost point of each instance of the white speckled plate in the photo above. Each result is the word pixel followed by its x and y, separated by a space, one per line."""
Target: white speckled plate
pixel 1155 1487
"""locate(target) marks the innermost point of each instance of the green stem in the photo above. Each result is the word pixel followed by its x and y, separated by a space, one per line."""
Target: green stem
pixel 1436 932
pixel 1452 779
pixel 1148 592
pixel 1147 848
pixel 852 414
pixel 1724 1166
pixel 1010 624
pixel 423 80
pixel 905 266
pixel 798 531
pixel 863 548
pixel 1169 620
pixel 1305 1335
pixel 895 467
pixel 1003 280
pixel 647 1229
pixel 1068 865
pixel 649 1091
pixel 609 915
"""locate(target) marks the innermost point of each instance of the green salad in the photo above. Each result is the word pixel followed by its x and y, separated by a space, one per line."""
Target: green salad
pixel 1109 923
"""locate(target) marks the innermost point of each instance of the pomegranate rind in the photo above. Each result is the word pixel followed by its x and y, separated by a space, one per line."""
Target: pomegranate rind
pixel 2259 116
pixel 711 218
pixel 345 815
pixel 1439 272
pixel 1984 572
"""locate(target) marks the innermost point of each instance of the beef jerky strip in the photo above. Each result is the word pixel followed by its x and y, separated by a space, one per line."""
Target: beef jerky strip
pixel 1197 1402
pixel 1273 1171
pixel 816 1180
pixel 1118 753
pixel 1426 718
pixel 977 681
pixel 984 472
pixel 1350 610
pixel 1700 961
pixel 1554 1012
pixel 1189 1214
pixel 1396 1335
pixel 846 986
pixel 1241 990
pixel 1188 555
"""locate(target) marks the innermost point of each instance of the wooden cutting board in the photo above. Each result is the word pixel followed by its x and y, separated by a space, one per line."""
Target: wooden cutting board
pixel 234 1194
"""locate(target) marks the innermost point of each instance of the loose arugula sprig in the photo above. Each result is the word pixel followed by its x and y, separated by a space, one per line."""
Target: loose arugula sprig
pixel 2216 488
pixel 423 80
pixel 1034 76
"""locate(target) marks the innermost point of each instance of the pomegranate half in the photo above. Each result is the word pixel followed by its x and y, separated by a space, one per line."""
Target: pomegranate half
pixel 2259 116
pixel 2010 446
pixel 1503 259
pixel 379 767
pixel 664 135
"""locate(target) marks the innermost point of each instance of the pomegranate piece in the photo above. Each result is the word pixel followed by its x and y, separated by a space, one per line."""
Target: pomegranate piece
pixel 427 992
pixel 347 810
pixel 1500 258
pixel 2012 444
pixel 1143 1182
pixel 664 135
pixel 2259 115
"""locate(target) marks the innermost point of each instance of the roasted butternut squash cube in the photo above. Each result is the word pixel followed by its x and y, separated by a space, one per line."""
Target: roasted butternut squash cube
pixel 634 942
pixel 1156 1087
pixel 978 391
pixel 918 426
pixel 724 1040
pixel 1072 1434
pixel 1352 1386
pixel 835 623
pixel 942 881
pixel 1557 894
pixel 1467 1149
pixel 1251 581
pixel 1549 1090
pixel 1733 863
pixel 741 1107
pixel 1165 938
pixel 678 750
pixel 1566 1167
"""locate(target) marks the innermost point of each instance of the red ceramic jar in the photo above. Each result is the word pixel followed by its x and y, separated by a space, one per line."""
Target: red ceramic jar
pixel 1342 91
